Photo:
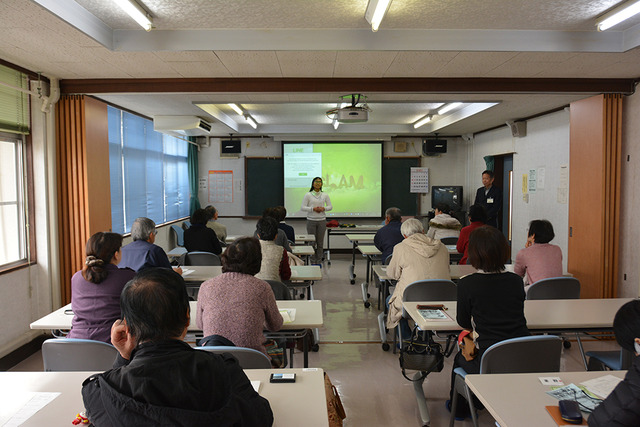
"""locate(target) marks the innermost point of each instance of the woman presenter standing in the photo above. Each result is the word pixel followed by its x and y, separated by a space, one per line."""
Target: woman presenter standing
pixel 315 204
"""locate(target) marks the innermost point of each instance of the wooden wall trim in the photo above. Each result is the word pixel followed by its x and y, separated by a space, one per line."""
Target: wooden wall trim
pixel 409 85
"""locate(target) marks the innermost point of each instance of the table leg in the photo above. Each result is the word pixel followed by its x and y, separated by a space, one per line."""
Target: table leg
pixel 421 399
pixel 305 343
pixel 352 267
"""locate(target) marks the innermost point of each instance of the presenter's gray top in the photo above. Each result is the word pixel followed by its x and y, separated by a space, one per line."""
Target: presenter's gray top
pixel 316 199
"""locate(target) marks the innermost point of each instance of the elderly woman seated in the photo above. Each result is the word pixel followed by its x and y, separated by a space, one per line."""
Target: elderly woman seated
pixel 417 257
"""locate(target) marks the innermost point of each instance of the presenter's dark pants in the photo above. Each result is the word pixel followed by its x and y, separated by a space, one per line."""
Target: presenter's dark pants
pixel 318 229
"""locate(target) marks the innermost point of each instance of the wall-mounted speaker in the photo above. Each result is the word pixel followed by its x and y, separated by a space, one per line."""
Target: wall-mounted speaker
pixel 230 148
pixel 431 147
pixel 518 129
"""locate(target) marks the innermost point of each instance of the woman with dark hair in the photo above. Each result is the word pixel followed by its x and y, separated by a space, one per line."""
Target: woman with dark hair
pixel 95 290
pixel 235 304
pixel 490 301
pixel 275 262
pixel 443 224
pixel 539 259
pixel 315 204
pixel 199 237
pixel 622 407
pixel 477 218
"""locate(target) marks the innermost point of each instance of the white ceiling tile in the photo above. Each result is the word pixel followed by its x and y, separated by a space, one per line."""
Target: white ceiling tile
pixel 474 64
pixel 200 69
pixel 418 64
pixel 187 56
pixel 363 64
pixel 94 69
pixel 307 63
pixel 250 63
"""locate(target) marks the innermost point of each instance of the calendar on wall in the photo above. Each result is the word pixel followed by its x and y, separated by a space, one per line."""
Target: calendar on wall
pixel 419 180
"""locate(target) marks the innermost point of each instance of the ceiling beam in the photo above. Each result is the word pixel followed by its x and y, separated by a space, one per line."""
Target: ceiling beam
pixel 348 85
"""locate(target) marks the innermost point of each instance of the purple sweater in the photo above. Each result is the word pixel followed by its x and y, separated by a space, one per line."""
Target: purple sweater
pixel 238 307
pixel 97 305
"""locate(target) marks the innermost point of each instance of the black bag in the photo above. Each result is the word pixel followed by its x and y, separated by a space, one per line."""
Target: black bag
pixel 422 354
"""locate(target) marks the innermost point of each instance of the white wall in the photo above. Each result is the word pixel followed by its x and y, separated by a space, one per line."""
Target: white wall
pixel 545 146
pixel 630 200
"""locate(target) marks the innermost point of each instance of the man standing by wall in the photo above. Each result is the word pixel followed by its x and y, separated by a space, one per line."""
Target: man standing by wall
pixel 490 197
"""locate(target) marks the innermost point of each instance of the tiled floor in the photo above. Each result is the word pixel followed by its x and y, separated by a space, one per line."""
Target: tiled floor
pixel 369 380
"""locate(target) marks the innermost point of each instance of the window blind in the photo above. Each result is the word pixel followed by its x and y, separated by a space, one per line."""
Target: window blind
pixel 14 105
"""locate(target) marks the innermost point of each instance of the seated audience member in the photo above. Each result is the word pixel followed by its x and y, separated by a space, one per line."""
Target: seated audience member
pixel 280 213
pixel 622 407
pixel 281 237
pixel 389 235
pixel 490 302
pixel 275 262
pixel 539 259
pixel 158 379
pixel 477 218
pixel 95 290
pixel 212 223
pixel 443 224
pixel 199 237
pixel 417 257
pixel 236 304
pixel 142 253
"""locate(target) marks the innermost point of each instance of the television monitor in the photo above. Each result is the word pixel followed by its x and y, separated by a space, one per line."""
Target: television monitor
pixel 449 194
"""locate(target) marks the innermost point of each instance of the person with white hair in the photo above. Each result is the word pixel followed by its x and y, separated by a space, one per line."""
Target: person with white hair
pixel 143 253
pixel 417 257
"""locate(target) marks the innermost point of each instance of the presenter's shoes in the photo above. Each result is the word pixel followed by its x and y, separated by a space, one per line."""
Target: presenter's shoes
pixel 462 411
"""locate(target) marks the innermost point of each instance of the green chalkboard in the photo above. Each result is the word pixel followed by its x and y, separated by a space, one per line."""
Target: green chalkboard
pixel 264 184
pixel 396 177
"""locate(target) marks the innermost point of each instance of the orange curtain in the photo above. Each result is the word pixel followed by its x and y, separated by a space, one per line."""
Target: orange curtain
pixel 73 227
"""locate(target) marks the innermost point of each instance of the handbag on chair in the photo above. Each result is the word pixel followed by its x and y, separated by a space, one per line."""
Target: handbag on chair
pixel 423 354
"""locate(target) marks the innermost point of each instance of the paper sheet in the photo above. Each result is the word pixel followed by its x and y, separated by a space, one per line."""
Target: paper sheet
pixel 602 386
pixel 428 314
pixel 573 392
pixel 256 385
pixel 186 272
pixel 288 314
pixel 18 406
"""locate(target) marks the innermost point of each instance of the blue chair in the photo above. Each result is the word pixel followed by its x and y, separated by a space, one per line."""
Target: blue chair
pixel 613 360
pixel 178 234
pixel 70 354
pixel 248 358
pixel 201 258
pixel 539 353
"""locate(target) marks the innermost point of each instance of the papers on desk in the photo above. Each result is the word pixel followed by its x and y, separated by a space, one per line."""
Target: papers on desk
pixel 585 399
pixel 602 386
pixel 186 272
pixel 18 406
pixel 288 314
pixel 430 314
pixel 256 385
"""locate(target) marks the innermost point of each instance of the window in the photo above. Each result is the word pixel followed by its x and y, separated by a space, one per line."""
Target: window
pixel 13 207
pixel 149 174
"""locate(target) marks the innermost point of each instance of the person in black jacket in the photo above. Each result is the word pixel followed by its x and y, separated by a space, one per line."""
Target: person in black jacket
pixel 157 378
pixel 489 197
pixel 490 302
pixel 389 235
pixel 622 407
pixel 199 237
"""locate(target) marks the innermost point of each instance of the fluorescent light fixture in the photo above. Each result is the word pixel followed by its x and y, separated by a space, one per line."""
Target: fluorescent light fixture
pixel 449 107
pixel 618 15
pixel 250 120
pixel 335 124
pixel 135 11
pixel 237 109
pixel 376 10
pixel 423 121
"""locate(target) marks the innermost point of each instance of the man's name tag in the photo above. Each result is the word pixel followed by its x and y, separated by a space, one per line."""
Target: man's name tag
pixel 490 200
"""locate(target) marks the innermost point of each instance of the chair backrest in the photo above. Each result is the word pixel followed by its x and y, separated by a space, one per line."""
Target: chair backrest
pixel 449 240
pixel 178 234
pixel 186 224
pixel 248 358
pixel 388 260
pixel 430 290
pixel 555 288
pixel 201 258
pixel 70 354
pixel 280 290
pixel 539 353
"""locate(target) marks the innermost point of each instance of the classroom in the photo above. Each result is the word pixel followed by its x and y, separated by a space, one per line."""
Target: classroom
pixel 550 103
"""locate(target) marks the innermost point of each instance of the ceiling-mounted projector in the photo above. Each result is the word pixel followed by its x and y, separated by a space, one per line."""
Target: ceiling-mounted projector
pixel 354 113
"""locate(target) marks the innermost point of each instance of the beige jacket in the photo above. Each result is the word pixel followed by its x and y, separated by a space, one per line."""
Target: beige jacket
pixel 417 257
pixel 444 225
